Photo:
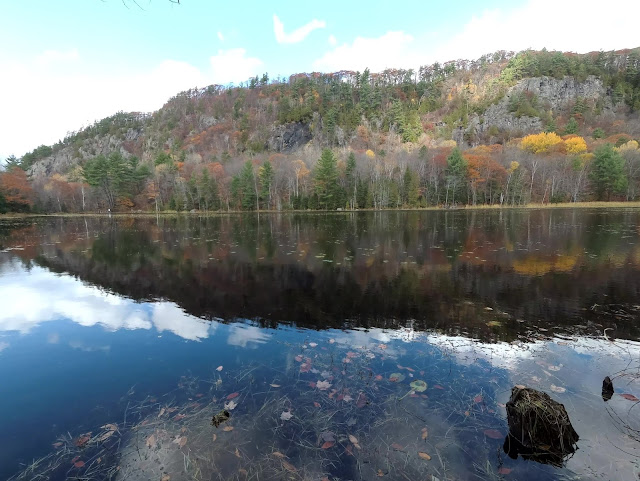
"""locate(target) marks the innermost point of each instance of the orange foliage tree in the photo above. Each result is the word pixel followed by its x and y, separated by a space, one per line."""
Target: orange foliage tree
pixel 16 189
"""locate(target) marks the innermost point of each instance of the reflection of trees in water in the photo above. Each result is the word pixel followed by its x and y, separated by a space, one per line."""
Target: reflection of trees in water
pixel 439 268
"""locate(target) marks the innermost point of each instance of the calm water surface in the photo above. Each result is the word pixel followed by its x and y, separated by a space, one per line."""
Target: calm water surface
pixel 121 338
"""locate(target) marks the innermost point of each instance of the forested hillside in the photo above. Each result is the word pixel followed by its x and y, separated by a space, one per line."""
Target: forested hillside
pixel 505 129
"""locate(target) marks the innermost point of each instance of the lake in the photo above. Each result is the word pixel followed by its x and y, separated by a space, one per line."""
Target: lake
pixel 345 346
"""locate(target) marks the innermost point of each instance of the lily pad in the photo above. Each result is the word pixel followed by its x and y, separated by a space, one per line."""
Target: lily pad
pixel 419 385
pixel 396 377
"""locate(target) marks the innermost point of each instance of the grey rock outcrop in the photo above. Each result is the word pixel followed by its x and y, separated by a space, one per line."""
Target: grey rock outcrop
pixel 287 137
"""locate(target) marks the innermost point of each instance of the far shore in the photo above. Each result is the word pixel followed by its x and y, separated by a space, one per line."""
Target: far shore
pixel 169 213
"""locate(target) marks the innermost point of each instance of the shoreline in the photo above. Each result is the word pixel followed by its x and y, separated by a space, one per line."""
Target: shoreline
pixel 563 205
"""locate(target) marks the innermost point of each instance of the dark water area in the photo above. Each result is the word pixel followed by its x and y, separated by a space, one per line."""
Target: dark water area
pixel 345 346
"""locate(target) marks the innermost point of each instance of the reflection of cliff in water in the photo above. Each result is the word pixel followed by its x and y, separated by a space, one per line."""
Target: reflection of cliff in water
pixel 548 268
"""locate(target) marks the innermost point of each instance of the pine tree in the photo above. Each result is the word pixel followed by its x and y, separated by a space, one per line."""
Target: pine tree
pixel 607 172
pixel 266 175
pixel 326 180
pixel 248 186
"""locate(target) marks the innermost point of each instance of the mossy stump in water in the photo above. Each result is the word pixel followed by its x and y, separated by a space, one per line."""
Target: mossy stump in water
pixel 539 427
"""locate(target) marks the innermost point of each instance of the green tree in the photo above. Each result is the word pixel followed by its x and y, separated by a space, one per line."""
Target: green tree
pixel 607 172
pixel 455 173
pixel 3 204
pixel 266 174
pixel 208 189
pixel 248 187
pixel 571 127
pixel 326 180
pixel 351 181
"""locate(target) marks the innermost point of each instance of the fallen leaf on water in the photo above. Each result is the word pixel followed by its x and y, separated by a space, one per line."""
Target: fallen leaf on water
pixel 424 456
pixel 165 477
pixel 382 346
pixel 316 404
pixel 237 453
pixel 161 412
pixel 178 417
pixel 233 395
pixel 418 385
pixel 520 386
pixel 82 440
pixel 286 415
pixel 219 368
pixel 289 467
pixel 151 441
pixel 298 358
pixel 353 439
pixel 438 386
pixel 58 444
pixel 227 428
pixel 243 471
pixel 467 413
pixel 278 454
pixel 362 400
pixel 327 444
pixel 554 368
pixel 557 389
pixel 378 378
pixel 425 433
pixel 331 341
pixel 215 436
pixel 78 464
pixel 477 399
pixel 231 405
pixel 493 434
pixel 380 473
pixel 323 385
pixel 110 427
pixel 183 441
pixel 504 470
pixel 274 385
pixel 397 447
pixel 327 436
pixel 105 436
pixel 313 344
pixel 396 377
pixel 630 397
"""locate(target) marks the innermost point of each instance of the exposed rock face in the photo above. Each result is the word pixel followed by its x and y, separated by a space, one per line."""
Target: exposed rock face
pixel 287 137
pixel 554 94
pixel 70 156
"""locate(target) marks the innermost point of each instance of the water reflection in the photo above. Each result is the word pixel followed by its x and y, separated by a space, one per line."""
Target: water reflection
pixel 155 325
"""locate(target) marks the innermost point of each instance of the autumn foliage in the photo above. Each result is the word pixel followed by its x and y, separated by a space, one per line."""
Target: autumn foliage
pixel 16 189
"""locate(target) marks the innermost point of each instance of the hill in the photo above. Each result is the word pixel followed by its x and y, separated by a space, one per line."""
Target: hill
pixel 445 134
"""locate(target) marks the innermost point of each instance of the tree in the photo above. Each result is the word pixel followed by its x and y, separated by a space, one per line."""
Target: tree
pixel 350 175
pixel 575 145
pixel 607 172
pixel 266 174
pixel 326 180
pixel 456 173
pixel 541 143
pixel 15 188
pixel 247 187
pixel 571 127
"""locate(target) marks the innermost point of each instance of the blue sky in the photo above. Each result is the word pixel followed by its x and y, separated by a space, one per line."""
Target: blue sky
pixel 67 63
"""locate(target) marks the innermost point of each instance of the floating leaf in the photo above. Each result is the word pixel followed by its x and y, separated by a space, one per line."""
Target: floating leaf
pixel 323 385
pixel 327 436
pixel 82 440
pixel 494 324
pixel 554 368
pixel 425 433
pixel 183 441
pixel 237 453
pixel 438 386
pixel 504 470
pixel 231 405
pixel 286 415
pixel 557 389
pixel 316 404
pixel 227 428
pixel 380 473
pixel 630 397
pixel 397 447
pixel 274 385
pixel 58 444
pixel 378 378
pixel 477 399
pixel 215 436
pixel 418 385
pixel 278 454
pixel 353 439
pixel 362 400
pixel 162 411
pixel 327 444
pixel 219 368
pixel 298 358
pixel 78 464
pixel 165 477
pixel 424 456
pixel 151 441
pixel 493 434
pixel 233 395
pixel 313 344
pixel 396 377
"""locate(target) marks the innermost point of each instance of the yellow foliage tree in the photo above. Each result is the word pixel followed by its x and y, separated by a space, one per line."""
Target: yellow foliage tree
pixel 630 146
pixel 369 153
pixel 540 143
pixel 575 145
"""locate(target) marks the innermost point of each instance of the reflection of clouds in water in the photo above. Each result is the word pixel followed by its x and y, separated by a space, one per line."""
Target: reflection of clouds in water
pixel 169 317
pixel 3 346
pixel 81 346
pixel 247 336
pixel 29 299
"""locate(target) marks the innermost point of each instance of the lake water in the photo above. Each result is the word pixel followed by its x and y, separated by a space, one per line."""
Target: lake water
pixel 120 339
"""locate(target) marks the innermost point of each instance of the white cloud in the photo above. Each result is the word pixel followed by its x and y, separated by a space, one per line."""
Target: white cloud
pixel 393 49
pixel 299 34
pixel 57 56
pixel 221 36
pixel 242 335
pixel 233 66
pixel 333 41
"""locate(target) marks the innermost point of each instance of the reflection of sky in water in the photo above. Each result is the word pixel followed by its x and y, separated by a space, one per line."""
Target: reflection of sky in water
pixel 109 334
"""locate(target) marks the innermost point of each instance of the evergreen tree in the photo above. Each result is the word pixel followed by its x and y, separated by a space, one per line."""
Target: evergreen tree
pixel 607 172
pixel 571 127
pixel 326 181
pixel 248 186
pixel 266 175
pixel 456 173
pixel 350 175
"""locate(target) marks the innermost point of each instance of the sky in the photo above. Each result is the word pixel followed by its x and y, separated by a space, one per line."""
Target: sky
pixel 67 63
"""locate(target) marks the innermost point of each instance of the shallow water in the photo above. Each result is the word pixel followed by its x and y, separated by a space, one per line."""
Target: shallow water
pixel 309 330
